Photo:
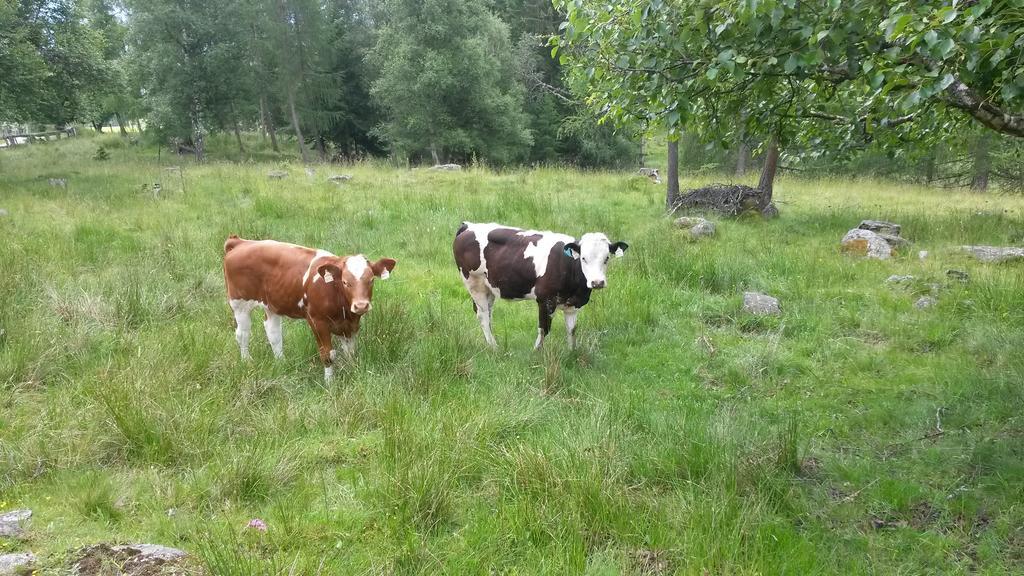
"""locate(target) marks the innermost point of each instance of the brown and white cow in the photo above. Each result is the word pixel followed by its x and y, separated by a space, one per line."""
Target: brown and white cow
pixel 331 292
pixel 554 269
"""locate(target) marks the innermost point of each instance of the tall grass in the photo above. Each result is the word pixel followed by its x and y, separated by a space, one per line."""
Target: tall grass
pixel 682 436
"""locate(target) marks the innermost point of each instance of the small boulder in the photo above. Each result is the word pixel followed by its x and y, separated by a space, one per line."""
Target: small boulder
pixel 922 254
pixel 925 302
pixel 894 242
pixel 899 279
pixel 651 173
pixel 760 304
pixel 339 178
pixel 688 221
pixel 129 560
pixel 16 564
pixel 11 523
pixel 58 182
pixel 447 167
pixel 173 169
pixel 3 212
pixel 277 174
pixel 958 275
pixel 697 226
pixel 866 243
pixel 994 254
pixel 880 227
pixel 703 229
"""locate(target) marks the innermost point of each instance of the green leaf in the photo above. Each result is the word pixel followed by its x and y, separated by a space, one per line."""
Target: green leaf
pixel 791 64
pixel 931 37
pixel 712 73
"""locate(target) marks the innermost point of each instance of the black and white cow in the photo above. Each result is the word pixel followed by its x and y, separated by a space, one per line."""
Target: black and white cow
pixel 554 269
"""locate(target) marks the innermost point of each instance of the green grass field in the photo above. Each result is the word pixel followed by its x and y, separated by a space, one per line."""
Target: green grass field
pixel 682 437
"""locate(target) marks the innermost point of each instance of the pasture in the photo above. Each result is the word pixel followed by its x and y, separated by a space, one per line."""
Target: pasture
pixel 853 434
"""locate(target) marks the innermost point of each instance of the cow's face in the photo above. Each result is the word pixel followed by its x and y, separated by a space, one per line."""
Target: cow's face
pixel 593 251
pixel 356 279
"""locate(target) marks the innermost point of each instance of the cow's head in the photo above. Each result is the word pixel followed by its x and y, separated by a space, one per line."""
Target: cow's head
pixel 593 251
pixel 355 280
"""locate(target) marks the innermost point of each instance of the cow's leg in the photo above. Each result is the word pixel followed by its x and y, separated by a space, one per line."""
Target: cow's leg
pixel 243 324
pixel 570 324
pixel 272 325
pixel 324 346
pixel 483 303
pixel 546 309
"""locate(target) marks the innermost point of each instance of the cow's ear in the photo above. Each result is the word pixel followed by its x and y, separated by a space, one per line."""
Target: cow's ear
pixel 383 267
pixel 329 272
pixel 619 248
pixel 572 250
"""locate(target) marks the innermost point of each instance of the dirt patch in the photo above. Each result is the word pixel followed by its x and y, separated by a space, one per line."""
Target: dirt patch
pixel 650 562
pixel 107 560
pixel 810 467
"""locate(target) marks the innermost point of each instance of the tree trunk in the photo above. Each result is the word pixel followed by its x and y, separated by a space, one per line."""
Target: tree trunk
pixel 643 152
pixel 982 162
pixel 197 130
pixel 433 154
pixel 296 127
pixel 771 165
pixel 263 117
pixel 320 148
pixel 268 124
pixel 672 194
pixel 238 137
pixel 120 124
pixel 929 167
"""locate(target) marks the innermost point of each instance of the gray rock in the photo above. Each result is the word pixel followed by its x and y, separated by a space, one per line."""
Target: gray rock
pixel 3 212
pixel 448 167
pixel 880 227
pixel 19 563
pixel 760 304
pixel 922 254
pixel 958 275
pixel 651 173
pixel 59 182
pixel 866 243
pixel 925 302
pixel 689 221
pixel 698 227
pixel 310 172
pixel 703 229
pixel 173 169
pixel 11 523
pixel 899 279
pixel 994 253
pixel 277 174
pixel 339 178
pixel 131 559
pixel 895 242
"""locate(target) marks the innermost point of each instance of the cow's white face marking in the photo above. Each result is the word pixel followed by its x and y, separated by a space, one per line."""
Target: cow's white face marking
pixel 540 251
pixel 594 253
pixel 357 265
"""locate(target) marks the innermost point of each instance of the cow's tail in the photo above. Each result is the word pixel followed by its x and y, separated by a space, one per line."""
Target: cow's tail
pixel 463 228
pixel 231 242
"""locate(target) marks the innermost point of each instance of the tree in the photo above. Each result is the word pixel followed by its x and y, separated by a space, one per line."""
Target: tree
pixel 796 72
pixel 49 61
pixel 447 82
